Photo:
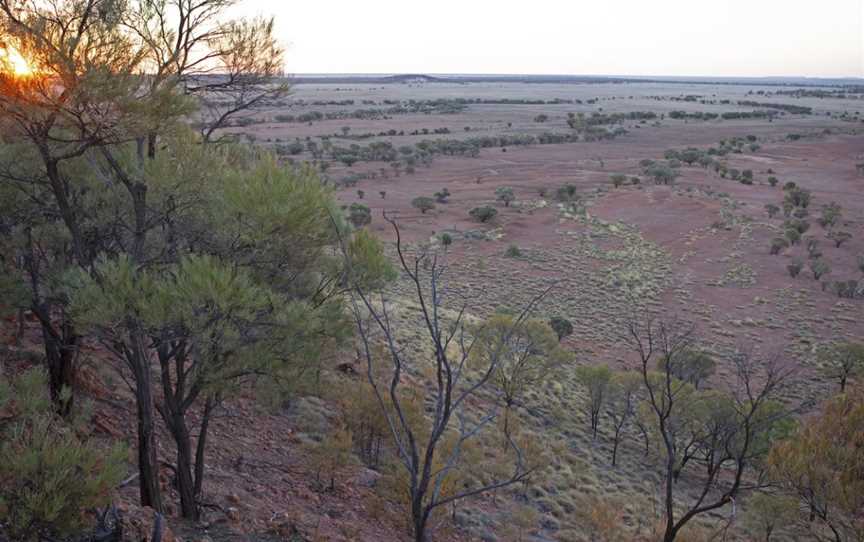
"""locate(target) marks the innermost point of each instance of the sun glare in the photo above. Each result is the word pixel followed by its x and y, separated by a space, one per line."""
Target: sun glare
pixel 12 61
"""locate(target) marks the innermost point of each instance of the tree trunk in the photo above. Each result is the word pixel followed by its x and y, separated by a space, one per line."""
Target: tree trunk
pixel 209 406
pixel 61 348
pixel 147 465
pixel 185 483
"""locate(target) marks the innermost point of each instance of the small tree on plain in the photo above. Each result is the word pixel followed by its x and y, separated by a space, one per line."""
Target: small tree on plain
pixel 483 214
pixel 562 326
pixel 505 194
pixel 423 203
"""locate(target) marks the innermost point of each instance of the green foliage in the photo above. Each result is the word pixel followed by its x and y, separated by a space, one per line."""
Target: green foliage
pixel 772 210
pixel 618 180
pixel 562 326
pixel 819 268
pixel 513 252
pixel 527 352
pixel 505 194
pixel 49 475
pixel 423 204
pixel 567 193
pixel 773 181
pixel 369 266
pixel 446 239
pixel 690 366
pixel 483 214
pixel 359 215
pixel 831 214
pixel 596 379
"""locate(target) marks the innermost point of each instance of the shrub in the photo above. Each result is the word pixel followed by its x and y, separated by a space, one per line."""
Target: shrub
pixel 831 213
pixel 48 475
pixel 566 193
pixel 792 235
pixel 483 214
pixel 423 203
pixel 618 180
pixel 795 268
pixel 359 215
pixel 360 194
pixel 442 195
pixel 778 244
pixel 561 326
pixel 383 194
pixel 819 268
pixel 505 194
pixel 446 239
pixel 513 252
pixel 773 181
pixel 772 210
pixel 839 237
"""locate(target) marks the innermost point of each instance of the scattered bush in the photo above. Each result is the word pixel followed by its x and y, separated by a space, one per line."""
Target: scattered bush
pixel 423 203
pixel 795 268
pixel 505 194
pixel 778 244
pixel 359 215
pixel 819 268
pixel 513 252
pixel 483 214
pixel 562 326
pixel 50 476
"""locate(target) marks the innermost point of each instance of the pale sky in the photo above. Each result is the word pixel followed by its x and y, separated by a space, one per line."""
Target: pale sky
pixel 818 38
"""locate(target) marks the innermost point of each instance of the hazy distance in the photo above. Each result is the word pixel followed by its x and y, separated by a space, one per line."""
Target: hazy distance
pixel 608 37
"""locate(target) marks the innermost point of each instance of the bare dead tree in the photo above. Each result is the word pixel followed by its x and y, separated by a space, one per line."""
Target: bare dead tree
pixel 726 434
pixel 452 389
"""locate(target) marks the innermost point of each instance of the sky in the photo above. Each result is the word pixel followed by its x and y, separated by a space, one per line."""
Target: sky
pixel 816 38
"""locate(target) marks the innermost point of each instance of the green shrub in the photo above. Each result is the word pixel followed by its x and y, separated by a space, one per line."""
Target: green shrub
pixel 513 252
pixel 49 476
pixel 359 215
pixel 778 244
pixel 483 214
pixel 423 203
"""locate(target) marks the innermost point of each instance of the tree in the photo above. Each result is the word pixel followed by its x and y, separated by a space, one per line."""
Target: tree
pixel 527 354
pixel 618 180
pixel 562 327
pixel 93 125
pixel 772 210
pixel 359 215
pixel 831 214
pixel 425 457
pixel 820 467
pixel 767 514
pixel 423 203
pixel 819 268
pixel 839 237
pixel 567 193
pixel 690 366
pixel 795 267
pixel 505 194
pixel 446 239
pixel 596 379
pixel 773 181
pixel 254 303
pixel 623 397
pixel 725 433
pixel 483 214
pixel 842 361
